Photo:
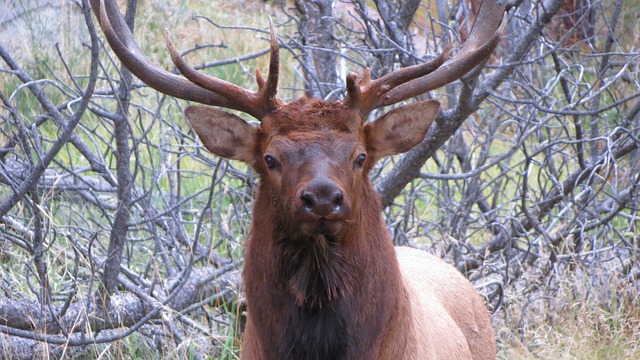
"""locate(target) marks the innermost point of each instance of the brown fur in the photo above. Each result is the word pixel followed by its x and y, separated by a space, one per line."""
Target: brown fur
pixel 322 278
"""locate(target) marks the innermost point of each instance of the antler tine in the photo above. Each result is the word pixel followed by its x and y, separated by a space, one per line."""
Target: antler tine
pixel 258 104
pixel 269 91
pixel 485 36
pixel 197 87
pixel 365 94
pixel 245 100
pixel 121 41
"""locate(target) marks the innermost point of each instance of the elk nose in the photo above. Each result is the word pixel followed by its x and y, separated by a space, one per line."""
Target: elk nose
pixel 322 198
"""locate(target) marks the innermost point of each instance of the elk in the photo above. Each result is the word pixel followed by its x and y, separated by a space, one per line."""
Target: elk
pixel 321 275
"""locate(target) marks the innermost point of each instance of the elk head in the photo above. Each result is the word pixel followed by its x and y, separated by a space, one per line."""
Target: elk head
pixel 312 156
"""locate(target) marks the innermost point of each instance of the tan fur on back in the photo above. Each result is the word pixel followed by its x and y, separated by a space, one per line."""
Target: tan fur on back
pixel 450 320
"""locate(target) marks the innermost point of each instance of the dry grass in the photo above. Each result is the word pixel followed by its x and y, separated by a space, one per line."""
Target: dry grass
pixel 572 316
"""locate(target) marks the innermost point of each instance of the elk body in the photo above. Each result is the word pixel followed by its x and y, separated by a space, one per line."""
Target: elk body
pixel 322 278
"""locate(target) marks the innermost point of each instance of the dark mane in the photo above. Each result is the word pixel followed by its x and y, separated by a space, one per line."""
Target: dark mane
pixel 316 334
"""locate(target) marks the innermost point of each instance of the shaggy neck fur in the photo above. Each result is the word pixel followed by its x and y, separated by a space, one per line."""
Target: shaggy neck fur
pixel 315 270
pixel 315 273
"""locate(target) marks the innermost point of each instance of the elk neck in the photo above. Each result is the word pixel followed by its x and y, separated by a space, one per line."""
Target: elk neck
pixel 325 289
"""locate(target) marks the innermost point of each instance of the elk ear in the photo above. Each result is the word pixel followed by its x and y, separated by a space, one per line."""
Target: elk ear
pixel 222 133
pixel 400 129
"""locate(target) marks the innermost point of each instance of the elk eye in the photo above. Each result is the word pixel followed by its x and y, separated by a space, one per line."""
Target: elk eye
pixel 360 160
pixel 270 161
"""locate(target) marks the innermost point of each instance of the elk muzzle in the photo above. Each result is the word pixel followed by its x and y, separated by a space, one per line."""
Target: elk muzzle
pixel 322 207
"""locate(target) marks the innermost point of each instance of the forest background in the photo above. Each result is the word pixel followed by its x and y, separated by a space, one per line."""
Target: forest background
pixel 121 236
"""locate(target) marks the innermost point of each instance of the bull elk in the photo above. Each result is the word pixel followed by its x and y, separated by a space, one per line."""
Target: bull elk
pixel 322 278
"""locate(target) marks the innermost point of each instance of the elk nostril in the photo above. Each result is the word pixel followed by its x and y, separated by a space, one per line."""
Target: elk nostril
pixel 308 200
pixel 337 200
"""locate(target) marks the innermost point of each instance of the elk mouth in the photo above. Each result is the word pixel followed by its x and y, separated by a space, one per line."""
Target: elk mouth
pixel 322 226
pixel 329 220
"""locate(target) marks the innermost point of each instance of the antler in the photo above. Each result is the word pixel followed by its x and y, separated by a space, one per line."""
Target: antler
pixel 366 95
pixel 196 87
